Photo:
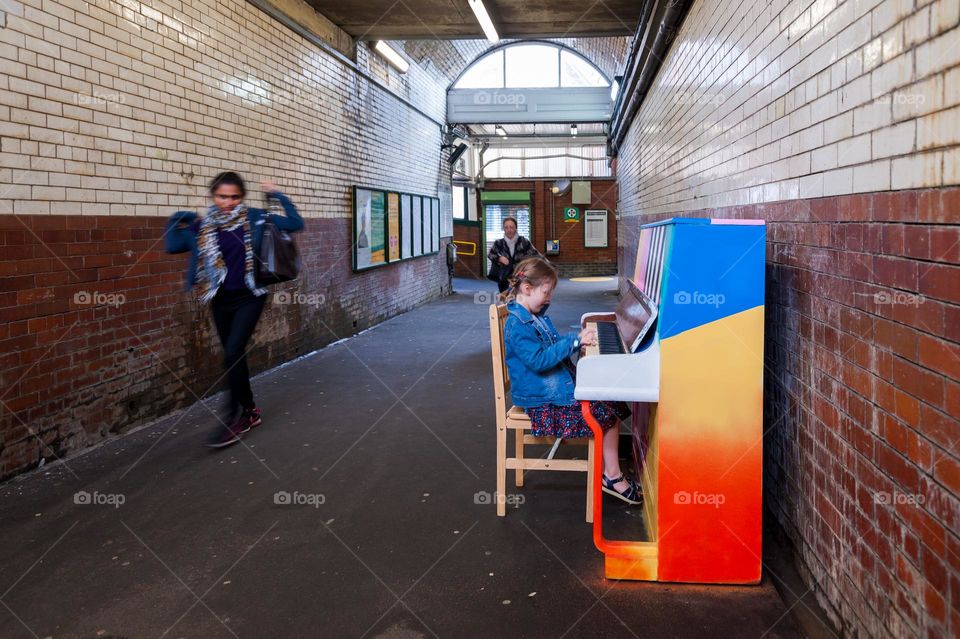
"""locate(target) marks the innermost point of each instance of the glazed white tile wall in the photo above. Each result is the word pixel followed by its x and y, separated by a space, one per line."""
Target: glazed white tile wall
pixel 759 101
pixel 124 107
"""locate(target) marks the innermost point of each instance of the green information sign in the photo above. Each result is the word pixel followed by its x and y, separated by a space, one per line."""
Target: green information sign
pixel 571 214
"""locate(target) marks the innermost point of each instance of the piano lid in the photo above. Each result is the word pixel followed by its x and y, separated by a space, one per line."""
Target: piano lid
pixel 706 220
pixel 678 220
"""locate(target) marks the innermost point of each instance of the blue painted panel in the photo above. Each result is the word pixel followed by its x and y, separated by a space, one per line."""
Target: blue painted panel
pixel 714 270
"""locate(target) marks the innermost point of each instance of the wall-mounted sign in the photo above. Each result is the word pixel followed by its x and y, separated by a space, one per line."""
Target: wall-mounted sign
pixel 393 226
pixel 595 228
pixel 369 228
pixel 406 226
pixel 571 214
pixel 580 192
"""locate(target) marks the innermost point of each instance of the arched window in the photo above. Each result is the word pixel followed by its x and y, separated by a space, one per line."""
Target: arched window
pixel 531 65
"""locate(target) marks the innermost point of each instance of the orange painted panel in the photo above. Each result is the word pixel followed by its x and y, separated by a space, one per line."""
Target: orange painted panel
pixel 710 423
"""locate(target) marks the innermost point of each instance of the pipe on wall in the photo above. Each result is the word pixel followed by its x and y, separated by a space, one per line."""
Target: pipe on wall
pixel 659 23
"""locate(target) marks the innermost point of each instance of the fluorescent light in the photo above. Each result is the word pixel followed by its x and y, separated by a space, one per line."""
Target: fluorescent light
pixel 573 130
pixel 485 22
pixel 500 131
pixel 391 55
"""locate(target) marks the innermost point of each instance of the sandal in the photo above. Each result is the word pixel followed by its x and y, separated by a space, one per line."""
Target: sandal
pixel 631 495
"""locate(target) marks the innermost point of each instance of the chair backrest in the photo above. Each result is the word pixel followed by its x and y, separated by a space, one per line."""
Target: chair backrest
pixel 501 377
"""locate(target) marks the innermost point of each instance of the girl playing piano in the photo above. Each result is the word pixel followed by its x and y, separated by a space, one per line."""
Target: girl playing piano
pixel 541 373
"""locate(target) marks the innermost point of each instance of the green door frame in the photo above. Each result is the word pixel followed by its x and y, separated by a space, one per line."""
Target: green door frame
pixel 501 197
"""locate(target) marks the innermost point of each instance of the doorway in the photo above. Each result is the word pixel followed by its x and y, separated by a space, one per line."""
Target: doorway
pixel 493 215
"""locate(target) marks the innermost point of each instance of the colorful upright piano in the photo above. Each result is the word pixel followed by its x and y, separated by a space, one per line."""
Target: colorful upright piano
pixel 686 340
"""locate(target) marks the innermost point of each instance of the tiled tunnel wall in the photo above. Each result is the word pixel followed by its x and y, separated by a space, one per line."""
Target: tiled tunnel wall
pixel 838 123
pixel 114 115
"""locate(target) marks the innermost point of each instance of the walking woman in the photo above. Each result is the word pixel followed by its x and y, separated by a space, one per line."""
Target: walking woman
pixel 506 252
pixel 223 246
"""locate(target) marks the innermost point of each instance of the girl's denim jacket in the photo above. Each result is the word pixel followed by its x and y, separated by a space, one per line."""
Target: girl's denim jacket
pixel 535 355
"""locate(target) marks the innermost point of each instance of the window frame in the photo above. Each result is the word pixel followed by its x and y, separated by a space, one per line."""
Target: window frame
pixel 502 48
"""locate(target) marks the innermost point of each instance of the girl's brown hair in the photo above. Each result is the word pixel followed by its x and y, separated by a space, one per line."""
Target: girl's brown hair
pixel 533 271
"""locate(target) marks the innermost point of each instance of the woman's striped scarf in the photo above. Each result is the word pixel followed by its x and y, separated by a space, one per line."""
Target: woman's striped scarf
pixel 213 269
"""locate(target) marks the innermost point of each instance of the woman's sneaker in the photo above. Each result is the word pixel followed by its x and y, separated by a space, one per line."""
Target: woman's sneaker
pixel 253 417
pixel 229 434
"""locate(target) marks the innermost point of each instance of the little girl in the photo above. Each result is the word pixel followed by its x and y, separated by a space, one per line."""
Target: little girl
pixel 541 373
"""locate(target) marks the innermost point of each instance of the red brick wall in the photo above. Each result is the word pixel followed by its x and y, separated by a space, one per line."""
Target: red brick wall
pixel 73 373
pixel 862 390
pixel 574 258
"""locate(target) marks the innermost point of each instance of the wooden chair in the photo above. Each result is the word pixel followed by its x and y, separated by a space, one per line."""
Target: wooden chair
pixel 514 418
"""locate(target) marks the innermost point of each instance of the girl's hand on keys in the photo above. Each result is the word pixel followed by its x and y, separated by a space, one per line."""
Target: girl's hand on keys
pixel 588 336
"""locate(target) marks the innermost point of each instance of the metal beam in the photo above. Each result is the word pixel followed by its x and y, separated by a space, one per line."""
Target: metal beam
pixel 527 106
pixel 513 141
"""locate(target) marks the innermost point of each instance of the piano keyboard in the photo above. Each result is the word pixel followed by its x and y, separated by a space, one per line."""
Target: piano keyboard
pixel 608 340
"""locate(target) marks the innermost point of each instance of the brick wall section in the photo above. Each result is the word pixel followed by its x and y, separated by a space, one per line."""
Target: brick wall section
pixel 574 259
pixel 837 123
pixel 862 401
pixel 74 372
pixel 115 114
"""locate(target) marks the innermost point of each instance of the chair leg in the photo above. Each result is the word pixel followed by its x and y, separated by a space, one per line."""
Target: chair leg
pixel 500 497
pixel 591 451
pixel 519 447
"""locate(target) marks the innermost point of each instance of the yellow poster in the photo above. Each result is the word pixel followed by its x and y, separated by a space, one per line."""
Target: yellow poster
pixel 393 226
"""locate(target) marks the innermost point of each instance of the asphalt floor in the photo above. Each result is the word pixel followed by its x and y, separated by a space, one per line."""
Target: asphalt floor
pixel 356 510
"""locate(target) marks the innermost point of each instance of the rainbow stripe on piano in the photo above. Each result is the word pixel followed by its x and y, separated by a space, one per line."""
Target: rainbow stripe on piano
pixel 649 271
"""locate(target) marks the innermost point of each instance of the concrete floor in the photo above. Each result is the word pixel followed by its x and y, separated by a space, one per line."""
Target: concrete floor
pixel 395 429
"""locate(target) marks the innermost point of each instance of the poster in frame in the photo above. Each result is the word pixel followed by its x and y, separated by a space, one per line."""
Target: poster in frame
pixel 369 228
pixel 435 222
pixel 406 226
pixel 418 249
pixel 393 226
